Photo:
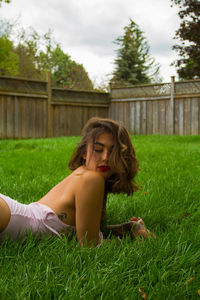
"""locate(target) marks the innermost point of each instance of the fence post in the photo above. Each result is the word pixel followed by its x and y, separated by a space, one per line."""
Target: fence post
pixel 48 79
pixel 172 106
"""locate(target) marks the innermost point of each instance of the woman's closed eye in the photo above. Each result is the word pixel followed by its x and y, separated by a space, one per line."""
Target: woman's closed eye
pixel 98 150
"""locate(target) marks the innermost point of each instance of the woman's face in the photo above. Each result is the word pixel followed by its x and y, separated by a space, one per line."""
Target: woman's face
pixel 97 155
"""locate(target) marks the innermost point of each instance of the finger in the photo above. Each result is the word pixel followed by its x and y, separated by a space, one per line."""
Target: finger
pixel 140 222
pixel 135 228
pixel 143 233
pixel 133 219
pixel 146 233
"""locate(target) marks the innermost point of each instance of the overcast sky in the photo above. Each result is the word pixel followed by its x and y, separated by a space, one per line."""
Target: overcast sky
pixel 86 29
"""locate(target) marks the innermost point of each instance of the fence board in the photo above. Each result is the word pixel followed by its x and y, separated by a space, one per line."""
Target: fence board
pixel 138 117
pixel 176 116
pixel 26 119
pixel 22 118
pixel 141 118
pixel 195 113
pixel 155 117
pixel 187 123
pixel 127 115
pixel 10 120
pixel 121 113
pixel 144 118
pixel 168 117
pixel 74 120
pixel 29 114
pixel 45 119
pixel 85 115
pixel 15 130
pixel 149 118
pixel 37 119
pixel 162 118
pixel 19 104
pixel 68 115
pixel 181 117
pixel 135 118
pixel 117 112
pixel 66 122
pixel 56 116
pixel 40 117
pixel 159 117
pixel 61 120
pixel 79 123
pixel 132 117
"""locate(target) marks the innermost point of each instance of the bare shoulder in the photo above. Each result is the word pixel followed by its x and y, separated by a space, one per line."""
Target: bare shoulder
pixel 93 176
pixel 89 181
pixel 92 179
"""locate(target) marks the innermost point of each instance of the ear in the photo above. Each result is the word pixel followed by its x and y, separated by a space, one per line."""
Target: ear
pixel 83 155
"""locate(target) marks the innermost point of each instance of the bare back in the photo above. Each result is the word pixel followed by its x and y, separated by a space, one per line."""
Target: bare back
pixel 61 198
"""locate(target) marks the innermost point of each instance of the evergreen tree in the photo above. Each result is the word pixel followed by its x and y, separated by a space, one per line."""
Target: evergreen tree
pixel 188 66
pixel 134 65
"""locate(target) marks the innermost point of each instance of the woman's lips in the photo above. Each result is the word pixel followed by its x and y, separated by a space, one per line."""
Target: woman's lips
pixel 104 168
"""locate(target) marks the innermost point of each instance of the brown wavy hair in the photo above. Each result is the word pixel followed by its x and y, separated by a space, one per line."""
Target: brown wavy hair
pixel 122 160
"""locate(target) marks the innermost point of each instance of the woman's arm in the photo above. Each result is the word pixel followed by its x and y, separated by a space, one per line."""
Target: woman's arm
pixel 135 228
pixel 88 205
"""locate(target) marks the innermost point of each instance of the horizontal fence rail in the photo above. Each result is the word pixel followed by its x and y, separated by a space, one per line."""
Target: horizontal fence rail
pixel 167 108
pixel 34 109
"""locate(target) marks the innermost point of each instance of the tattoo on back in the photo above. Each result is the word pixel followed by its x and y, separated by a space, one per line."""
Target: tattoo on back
pixel 62 216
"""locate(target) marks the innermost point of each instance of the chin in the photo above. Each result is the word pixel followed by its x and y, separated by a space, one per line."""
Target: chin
pixel 106 176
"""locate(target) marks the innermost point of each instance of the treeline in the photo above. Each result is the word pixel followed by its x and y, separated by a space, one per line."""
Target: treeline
pixel 28 54
pixel 33 55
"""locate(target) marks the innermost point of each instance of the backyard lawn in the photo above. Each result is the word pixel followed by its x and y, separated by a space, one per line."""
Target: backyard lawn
pixel 168 201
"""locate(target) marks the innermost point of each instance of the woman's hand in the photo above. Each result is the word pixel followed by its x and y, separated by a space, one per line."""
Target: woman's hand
pixel 138 229
pixel 135 228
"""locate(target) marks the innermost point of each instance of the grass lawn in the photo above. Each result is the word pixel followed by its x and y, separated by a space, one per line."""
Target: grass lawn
pixel 165 268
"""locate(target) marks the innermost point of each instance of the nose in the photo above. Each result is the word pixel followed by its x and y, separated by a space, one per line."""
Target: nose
pixel 105 156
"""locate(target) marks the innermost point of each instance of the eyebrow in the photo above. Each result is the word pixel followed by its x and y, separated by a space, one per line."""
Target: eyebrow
pixel 102 145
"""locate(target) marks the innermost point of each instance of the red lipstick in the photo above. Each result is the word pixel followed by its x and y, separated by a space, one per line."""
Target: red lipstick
pixel 104 168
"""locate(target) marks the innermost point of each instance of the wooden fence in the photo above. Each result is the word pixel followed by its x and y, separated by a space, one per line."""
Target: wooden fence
pixel 33 109
pixel 166 108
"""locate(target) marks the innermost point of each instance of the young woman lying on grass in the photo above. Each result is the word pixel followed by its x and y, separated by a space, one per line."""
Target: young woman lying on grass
pixel 104 162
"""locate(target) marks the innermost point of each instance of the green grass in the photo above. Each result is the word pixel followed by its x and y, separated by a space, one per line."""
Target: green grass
pixel 168 202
